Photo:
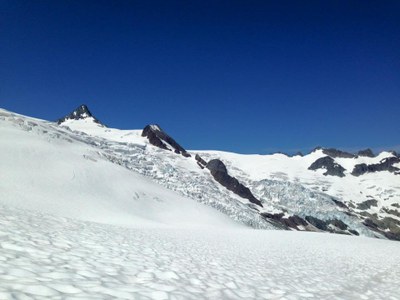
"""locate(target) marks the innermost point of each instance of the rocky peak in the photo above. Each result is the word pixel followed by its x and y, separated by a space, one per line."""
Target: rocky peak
pixel 80 113
pixel 367 152
pixel 161 139
pixel 332 152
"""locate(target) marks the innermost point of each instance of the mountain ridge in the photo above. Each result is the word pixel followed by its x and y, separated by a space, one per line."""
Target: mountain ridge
pixel 276 189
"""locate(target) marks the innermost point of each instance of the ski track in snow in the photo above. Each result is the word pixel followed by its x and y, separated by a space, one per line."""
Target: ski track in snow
pixel 44 256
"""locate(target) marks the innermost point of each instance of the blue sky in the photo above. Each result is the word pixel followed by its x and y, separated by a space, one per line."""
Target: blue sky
pixel 244 76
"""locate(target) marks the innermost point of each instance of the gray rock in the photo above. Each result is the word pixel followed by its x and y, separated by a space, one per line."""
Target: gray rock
pixel 340 203
pixel 160 138
pixel 80 113
pixel 328 163
pixel 367 204
pixel 294 221
pixel 322 225
pixel 220 173
pixel 201 162
pixel 393 212
pixel 339 224
pixel 367 152
pixel 354 232
pixel 276 217
pixel 384 165
pixel 332 152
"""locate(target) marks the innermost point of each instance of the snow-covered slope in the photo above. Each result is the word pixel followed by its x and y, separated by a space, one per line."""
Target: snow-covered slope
pixel 281 189
pixel 383 186
pixel 182 174
pixel 46 168
pixel 286 184
pixel 89 212
pixel 48 257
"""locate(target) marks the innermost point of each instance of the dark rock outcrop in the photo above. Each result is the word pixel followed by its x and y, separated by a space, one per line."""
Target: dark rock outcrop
pixel 340 203
pixel 339 224
pixel 337 153
pixel 161 139
pixel 220 173
pixel 201 162
pixel 322 225
pixel 328 163
pixel 325 225
pixel 353 232
pixel 367 204
pixel 80 113
pixel 367 152
pixel 393 212
pixel 388 226
pixel 384 165
pixel 289 222
pixel 276 217
pixel 294 221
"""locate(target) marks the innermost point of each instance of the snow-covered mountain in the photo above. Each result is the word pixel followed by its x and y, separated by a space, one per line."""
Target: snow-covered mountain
pixel 312 187
pixel 327 189
pixel 91 212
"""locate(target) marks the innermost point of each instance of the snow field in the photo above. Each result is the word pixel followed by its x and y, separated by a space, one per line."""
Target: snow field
pixel 49 257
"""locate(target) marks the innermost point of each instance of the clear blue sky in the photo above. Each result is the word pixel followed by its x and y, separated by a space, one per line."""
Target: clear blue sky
pixel 244 76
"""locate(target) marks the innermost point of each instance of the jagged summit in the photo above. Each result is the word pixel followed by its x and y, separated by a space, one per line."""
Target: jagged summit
pixel 367 153
pixel 161 139
pixel 80 113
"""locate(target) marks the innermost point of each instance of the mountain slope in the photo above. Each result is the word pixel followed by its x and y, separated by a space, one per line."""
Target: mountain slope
pixel 286 204
pixel 83 215
pixel 50 170
pixel 288 184
pixel 270 191
pixel 180 173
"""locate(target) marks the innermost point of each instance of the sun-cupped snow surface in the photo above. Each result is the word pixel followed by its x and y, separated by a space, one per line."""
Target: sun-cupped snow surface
pixel 51 257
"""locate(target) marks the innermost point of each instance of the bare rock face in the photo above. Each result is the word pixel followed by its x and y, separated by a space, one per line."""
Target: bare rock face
pixel 385 165
pixel 294 221
pixel 367 204
pixel 328 163
pixel 80 113
pixel 161 139
pixel 220 173
pixel 337 153
pixel 367 152
pixel 201 162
